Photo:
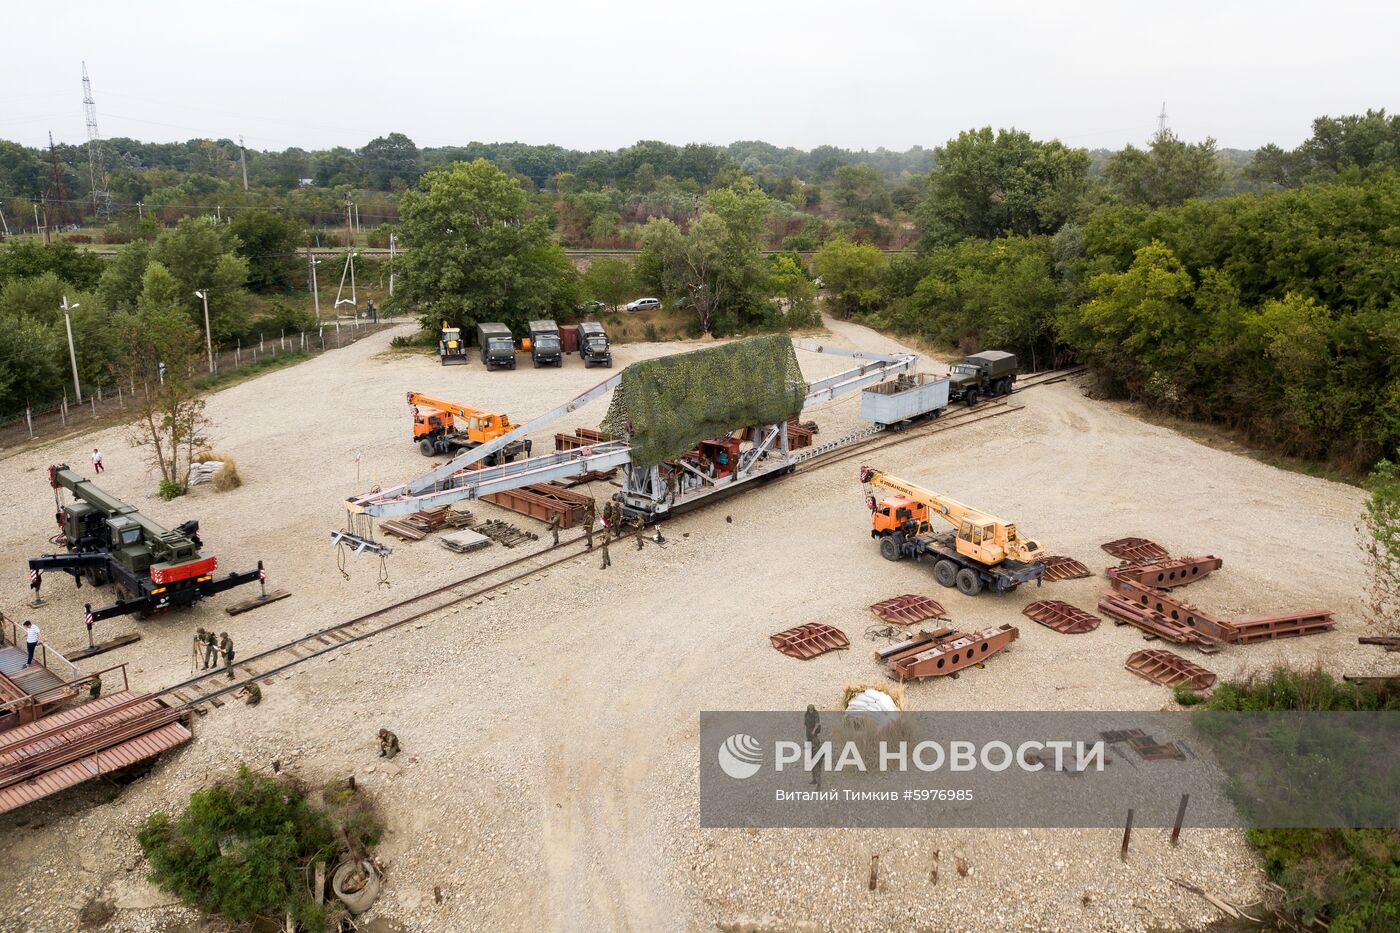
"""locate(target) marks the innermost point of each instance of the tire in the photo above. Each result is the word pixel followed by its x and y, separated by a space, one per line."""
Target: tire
pixel 889 548
pixel 945 572
pixel 971 398
pixel 427 448
pixel 357 902
pixel 535 363
pixel 969 583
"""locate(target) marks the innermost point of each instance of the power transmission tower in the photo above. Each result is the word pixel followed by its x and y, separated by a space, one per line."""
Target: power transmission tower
pixel 101 199
pixel 57 192
pixel 1162 120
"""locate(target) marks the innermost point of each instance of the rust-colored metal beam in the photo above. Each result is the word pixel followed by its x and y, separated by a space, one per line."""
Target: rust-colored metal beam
pixel 1125 611
pixel 935 654
pixel 1178 612
pixel 1171 573
pixel 1250 629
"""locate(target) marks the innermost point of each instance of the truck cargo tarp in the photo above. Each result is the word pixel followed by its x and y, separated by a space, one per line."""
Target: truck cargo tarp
pixel 668 405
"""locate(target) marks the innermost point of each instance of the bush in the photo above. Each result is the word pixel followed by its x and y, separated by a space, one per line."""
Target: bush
pixel 169 489
pixel 1186 695
pixel 1347 878
pixel 227 478
pixel 245 848
pixel 423 339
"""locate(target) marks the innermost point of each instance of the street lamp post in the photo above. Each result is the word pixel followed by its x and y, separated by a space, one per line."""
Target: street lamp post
pixel 72 354
pixel 203 294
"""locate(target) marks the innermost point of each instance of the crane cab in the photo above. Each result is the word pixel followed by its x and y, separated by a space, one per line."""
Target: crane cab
pixel 892 512
pixel 718 456
pixel 430 422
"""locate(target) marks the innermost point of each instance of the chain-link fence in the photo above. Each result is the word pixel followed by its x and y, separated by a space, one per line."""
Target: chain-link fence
pixel 110 401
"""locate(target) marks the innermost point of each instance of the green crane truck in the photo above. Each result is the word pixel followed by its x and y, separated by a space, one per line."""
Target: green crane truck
pixel 108 541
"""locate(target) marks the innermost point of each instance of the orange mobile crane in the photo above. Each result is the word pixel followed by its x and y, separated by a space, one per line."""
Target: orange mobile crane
pixel 981 551
pixel 441 427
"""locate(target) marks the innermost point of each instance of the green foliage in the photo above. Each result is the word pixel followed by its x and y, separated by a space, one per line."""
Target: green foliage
pixel 244 848
pixel 610 281
pixel 1347 878
pixel 269 241
pixel 1361 142
pixel 852 274
pixel 1168 173
pixel 988 184
pixel 474 255
pixel 1186 695
pixel 169 489
pixel 200 255
pixel 121 282
pixel 79 269
pixel 389 161
pixel 1380 546
pixel 793 288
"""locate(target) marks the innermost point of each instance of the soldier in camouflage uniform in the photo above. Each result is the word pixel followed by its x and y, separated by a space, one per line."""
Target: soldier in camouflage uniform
pixel 198 647
pixel 607 561
pixel 388 744
pixel 590 515
pixel 211 651
pixel 226 649
pixel 252 694
pixel 639 529
pixel 554 527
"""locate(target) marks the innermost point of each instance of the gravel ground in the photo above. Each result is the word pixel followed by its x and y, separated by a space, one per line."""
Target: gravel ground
pixel 548 774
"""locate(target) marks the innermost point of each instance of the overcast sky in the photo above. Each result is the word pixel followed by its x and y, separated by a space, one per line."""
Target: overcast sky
pixel 603 75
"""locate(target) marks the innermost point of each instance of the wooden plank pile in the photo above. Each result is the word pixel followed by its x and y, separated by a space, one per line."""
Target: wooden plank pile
pixel 504 533
pixel 418 525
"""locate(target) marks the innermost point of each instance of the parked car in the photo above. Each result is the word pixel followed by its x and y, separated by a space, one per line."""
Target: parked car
pixel 590 307
pixel 644 304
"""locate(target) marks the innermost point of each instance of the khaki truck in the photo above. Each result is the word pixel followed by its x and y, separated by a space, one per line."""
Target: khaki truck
pixel 982 375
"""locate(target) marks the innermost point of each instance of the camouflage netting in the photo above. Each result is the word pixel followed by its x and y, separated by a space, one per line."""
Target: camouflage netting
pixel 668 405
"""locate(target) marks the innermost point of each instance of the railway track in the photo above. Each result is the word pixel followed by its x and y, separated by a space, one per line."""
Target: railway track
pixel 213 687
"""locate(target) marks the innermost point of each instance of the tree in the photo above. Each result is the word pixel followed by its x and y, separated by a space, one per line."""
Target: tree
pixel 159 349
pixel 610 281
pixel 1168 173
pixel 1380 546
pixel 988 184
pixel 121 282
pixel 473 255
pixel 269 242
pixel 852 274
pixel 790 284
pixel 200 256
pixel 79 268
pixel 660 266
pixel 859 193
pixel 386 158
pixel 1358 141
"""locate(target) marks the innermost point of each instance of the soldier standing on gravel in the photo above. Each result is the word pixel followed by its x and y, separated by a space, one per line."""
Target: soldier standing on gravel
pixel 554 527
pixel 812 722
pixel 95 687
pixel 226 648
pixel 590 515
pixel 639 530
pixel 607 561
pixel 211 651
pixel 198 646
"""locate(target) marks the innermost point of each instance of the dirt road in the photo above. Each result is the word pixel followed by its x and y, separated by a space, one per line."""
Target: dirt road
pixel 548 779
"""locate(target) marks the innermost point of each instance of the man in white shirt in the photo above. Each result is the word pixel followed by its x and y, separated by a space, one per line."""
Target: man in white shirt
pixel 31 639
pixel 96 460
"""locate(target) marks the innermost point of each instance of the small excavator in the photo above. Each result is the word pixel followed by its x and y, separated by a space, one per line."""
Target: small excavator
pixel 981 551
pixel 452 349
pixel 442 427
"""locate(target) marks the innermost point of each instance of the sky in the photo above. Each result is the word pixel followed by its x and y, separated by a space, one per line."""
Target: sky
pixel 603 75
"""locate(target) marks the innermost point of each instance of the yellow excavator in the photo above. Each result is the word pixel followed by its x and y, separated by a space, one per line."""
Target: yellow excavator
pixel 442 427
pixel 981 551
pixel 452 349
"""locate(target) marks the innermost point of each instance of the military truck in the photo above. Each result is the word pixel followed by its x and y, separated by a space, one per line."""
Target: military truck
pixel 497 345
pixel 593 344
pixel 108 541
pixel 982 375
pixel 545 346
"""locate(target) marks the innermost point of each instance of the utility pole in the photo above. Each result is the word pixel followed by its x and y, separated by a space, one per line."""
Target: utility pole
pixel 349 224
pixel 203 294
pixel 392 238
pixel 243 161
pixel 72 353
pixel 315 291
pixel 1162 120
pixel 5 224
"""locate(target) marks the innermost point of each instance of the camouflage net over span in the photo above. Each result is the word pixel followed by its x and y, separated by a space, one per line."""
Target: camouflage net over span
pixel 668 405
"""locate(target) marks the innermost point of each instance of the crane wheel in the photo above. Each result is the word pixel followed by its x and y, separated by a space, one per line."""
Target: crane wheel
pixel 971 398
pixel 969 583
pixel 889 548
pixel 945 572
pixel 427 449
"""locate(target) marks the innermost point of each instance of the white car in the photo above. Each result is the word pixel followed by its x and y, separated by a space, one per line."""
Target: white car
pixel 644 304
